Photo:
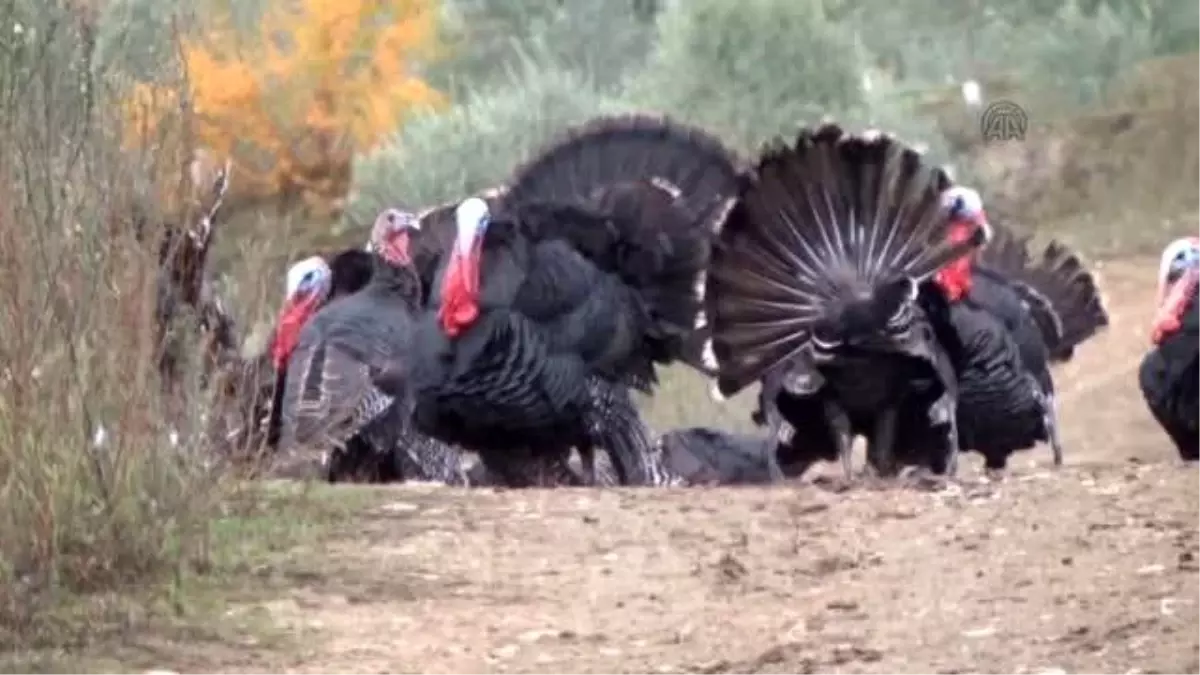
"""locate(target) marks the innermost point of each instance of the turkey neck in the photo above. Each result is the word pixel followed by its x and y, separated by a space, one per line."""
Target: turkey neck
pixel 395 281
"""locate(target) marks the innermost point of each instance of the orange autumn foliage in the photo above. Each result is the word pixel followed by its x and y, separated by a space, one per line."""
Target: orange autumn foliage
pixel 293 101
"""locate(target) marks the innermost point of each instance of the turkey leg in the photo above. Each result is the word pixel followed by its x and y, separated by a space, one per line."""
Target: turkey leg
pixel 945 411
pixel 881 451
pixel 587 462
pixel 771 448
pixel 839 425
pixel 1050 421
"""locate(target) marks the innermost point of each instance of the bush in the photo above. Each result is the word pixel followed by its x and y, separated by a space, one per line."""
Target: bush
pixel 475 145
pixel 94 498
pixel 488 41
pixel 752 69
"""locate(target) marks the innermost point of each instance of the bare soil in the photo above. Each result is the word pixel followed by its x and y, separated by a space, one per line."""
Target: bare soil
pixel 1087 568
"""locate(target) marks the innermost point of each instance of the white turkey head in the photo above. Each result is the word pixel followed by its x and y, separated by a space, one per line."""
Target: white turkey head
pixel 962 203
pixel 310 276
pixel 307 286
pixel 1178 257
pixel 391 236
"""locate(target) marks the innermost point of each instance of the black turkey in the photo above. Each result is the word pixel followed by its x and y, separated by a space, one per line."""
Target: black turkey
pixel 343 273
pixel 1015 318
pixel 1169 375
pixel 821 287
pixel 707 456
pixel 329 351
pixel 567 291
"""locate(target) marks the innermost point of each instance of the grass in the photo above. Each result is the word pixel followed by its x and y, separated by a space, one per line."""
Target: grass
pixel 268 537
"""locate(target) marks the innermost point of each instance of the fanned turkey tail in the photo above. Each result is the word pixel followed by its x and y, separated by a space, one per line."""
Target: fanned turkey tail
pixel 1063 295
pixel 656 187
pixel 821 224
pixel 693 167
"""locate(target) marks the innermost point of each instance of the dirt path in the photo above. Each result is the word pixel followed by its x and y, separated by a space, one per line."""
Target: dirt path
pixel 1089 568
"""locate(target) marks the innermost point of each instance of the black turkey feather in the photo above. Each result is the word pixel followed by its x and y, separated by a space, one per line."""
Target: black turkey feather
pixel 1062 294
pixel 820 279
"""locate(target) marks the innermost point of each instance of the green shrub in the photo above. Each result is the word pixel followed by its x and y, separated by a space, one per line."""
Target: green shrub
pixel 472 146
pixel 488 40
pixel 749 70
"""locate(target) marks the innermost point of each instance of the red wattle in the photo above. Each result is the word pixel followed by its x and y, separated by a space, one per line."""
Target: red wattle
pixel 459 307
pixel 1170 310
pixel 287 333
pixel 955 278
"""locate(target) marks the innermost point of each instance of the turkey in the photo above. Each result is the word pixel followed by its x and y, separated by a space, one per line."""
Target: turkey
pixel 706 456
pixel 821 286
pixel 330 353
pixel 343 273
pixel 1015 318
pixel 1170 371
pixel 567 291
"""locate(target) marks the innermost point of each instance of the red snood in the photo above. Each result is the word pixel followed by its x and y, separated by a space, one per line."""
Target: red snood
pixel 460 294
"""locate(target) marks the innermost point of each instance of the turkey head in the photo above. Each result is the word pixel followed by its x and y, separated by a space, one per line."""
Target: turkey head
pixel 308 284
pixel 1178 276
pixel 964 209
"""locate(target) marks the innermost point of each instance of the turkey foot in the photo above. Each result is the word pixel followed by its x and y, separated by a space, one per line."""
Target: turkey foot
pixel 1050 422
pixel 944 412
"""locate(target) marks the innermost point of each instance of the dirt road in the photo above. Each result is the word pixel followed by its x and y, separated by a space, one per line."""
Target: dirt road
pixel 1089 568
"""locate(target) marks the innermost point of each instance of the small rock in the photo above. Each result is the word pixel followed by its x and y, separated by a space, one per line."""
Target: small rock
pixel 986 631
pixel 399 507
pixel 537 635
pixel 506 652
pixel 1151 569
